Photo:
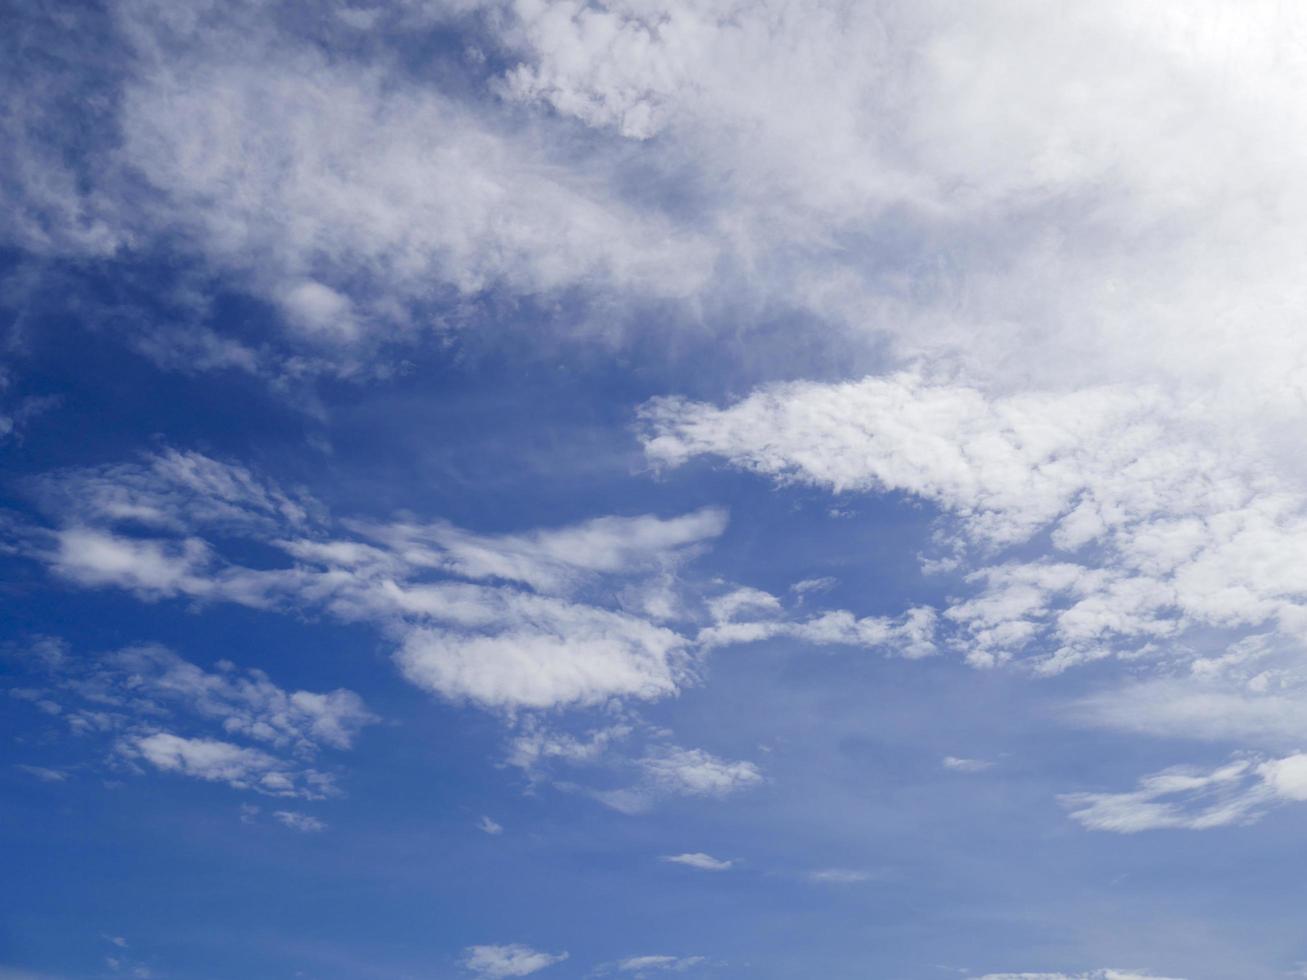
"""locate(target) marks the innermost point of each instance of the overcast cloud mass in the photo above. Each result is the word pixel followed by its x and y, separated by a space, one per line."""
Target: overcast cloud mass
pixel 631 488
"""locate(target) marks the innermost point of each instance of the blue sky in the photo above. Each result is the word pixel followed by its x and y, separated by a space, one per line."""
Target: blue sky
pixel 503 488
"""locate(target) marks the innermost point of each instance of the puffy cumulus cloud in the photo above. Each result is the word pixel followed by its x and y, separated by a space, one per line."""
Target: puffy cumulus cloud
pixel 571 654
pixel 699 861
pixel 512 960
pixel 1191 799
pixel 240 767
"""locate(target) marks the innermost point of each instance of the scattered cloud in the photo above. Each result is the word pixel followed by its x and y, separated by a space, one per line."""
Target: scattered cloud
pixel 699 861
pixel 513 960
pixel 838 876
pixel 642 965
pixel 959 764
pixel 176 491
pixel 1186 798
pixel 43 774
pixel 694 772
pixel 240 767
pixel 302 822
pixel 139 697
pixel 488 826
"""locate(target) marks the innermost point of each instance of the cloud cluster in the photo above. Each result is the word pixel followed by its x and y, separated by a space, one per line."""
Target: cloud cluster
pixel 1143 160
pixel 574 615
pixel 1156 524
pixel 1103 523
pixel 139 698
pixel 592 614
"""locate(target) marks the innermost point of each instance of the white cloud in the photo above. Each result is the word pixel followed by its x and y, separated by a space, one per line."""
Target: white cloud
pixel 838 876
pixel 249 705
pixel 1140 157
pixel 1192 799
pixel 537 745
pixel 43 774
pixel 911 635
pixel 1108 974
pixel 519 640
pixel 318 310
pixel 553 560
pixel 969 159
pixel 961 764
pixel 176 491
pixel 726 608
pixel 488 826
pixel 694 772
pixel 299 821
pixel 240 767
pixel 811 585
pixel 568 654
pixel 148 681
pixel 143 696
pixel 1158 524
pixel 647 964
pixel 149 568
pixel 374 180
pixel 513 960
pixel 699 861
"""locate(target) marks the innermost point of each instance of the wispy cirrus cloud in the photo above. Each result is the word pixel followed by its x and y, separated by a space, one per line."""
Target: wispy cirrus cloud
pixel 1186 798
